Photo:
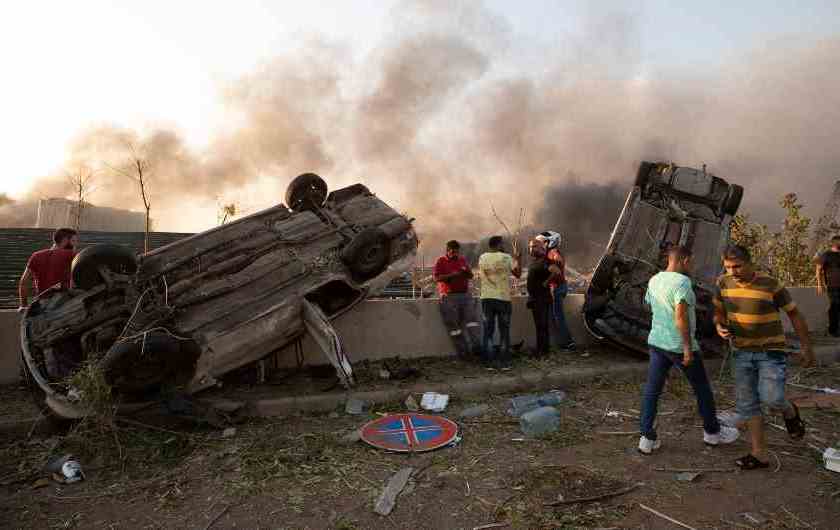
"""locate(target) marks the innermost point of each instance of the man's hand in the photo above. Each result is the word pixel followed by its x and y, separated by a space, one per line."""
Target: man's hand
pixel 688 356
pixel 22 308
pixel 723 331
pixel 807 358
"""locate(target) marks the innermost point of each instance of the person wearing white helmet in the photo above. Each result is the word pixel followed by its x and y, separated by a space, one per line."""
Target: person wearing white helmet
pixel 558 286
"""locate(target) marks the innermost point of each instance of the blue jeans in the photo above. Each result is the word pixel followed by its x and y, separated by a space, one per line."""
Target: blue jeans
pixel 491 310
pixel 660 364
pixel 760 380
pixel 565 336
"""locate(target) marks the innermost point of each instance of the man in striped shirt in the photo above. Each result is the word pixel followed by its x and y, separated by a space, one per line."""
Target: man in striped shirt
pixel 747 305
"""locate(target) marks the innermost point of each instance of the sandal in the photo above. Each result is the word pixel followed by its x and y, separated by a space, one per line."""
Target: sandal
pixel 750 462
pixel 795 426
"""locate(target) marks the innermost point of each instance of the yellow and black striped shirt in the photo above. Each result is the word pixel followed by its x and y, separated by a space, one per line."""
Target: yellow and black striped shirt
pixel 752 311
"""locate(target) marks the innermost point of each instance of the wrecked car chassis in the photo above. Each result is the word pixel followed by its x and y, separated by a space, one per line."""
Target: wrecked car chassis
pixel 183 315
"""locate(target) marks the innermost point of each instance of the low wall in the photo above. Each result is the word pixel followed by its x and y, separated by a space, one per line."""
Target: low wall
pixel 378 329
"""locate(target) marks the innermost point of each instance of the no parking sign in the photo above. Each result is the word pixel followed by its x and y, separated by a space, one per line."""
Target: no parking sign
pixel 409 432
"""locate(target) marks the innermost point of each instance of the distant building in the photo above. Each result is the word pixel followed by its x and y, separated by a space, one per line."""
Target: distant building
pixel 56 213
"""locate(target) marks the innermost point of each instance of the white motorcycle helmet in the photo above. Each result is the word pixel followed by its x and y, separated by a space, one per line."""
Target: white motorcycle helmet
pixel 551 239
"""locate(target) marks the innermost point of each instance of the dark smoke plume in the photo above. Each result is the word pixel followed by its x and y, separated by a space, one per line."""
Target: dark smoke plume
pixel 431 122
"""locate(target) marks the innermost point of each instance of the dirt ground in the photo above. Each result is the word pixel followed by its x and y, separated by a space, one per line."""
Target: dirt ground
pixel 296 472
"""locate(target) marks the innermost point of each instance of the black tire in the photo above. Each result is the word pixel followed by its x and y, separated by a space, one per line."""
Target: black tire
pixel 367 254
pixel 306 192
pixel 733 199
pixel 643 174
pixel 135 366
pixel 85 266
pixel 602 277
pixel 50 422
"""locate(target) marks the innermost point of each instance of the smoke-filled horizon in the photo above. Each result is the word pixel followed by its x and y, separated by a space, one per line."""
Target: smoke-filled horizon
pixel 431 123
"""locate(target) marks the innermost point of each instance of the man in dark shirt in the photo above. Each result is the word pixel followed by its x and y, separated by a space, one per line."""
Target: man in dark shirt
pixel 50 266
pixel 539 294
pixel 828 281
pixel 457 305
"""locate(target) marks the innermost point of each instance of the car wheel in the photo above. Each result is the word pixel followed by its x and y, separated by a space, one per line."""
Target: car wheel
pixel 85 266
pixel 733 199
pixel 53 423
pixel 643 175
pixel 306 192
pixel 367 254
pixel 603 275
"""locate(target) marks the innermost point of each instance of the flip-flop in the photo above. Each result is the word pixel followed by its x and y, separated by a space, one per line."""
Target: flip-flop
pixel 795 426
pixel 750 462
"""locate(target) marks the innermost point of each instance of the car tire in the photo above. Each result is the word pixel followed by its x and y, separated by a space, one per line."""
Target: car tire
pixel 158 354
pixel 643 174
pixel 733 199
pixel 53 423
pixel 306 192
pixel 602 277
pixel 85 267
pixel 367 254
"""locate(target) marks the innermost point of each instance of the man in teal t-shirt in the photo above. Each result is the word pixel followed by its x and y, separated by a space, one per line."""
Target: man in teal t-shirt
pixel 672 342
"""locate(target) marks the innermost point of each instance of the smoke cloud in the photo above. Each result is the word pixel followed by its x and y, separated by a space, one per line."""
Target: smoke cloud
pixel 432 121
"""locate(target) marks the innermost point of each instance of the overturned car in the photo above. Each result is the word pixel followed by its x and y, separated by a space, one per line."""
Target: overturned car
pixel 668 205
pixel 185 314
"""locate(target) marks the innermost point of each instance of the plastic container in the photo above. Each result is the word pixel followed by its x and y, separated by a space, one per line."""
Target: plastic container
pixel 540 421
pixel 519 405
pixel 832 459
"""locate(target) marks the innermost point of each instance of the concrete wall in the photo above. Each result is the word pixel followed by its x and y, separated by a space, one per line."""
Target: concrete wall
pixel 378 329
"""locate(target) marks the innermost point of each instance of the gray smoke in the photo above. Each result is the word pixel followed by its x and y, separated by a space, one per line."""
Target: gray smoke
pixel 430 122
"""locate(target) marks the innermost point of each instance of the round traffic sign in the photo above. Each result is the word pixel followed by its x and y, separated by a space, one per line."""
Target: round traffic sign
pixel 409 432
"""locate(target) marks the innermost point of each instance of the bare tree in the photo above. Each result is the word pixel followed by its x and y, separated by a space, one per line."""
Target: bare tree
pixel 139 169
pixel 80 178
pixel 228 210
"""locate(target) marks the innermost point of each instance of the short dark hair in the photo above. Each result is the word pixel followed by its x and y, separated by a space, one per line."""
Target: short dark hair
pixel 679 252
pixel 737 252
pixel 63 233
pixel 495 242
pixel 453 245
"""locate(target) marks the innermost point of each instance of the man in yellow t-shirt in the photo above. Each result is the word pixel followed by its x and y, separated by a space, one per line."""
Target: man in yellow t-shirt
pixel 496 268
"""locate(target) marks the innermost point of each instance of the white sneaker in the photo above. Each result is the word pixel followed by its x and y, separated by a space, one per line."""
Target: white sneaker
pixel 727 435
pixel 647 446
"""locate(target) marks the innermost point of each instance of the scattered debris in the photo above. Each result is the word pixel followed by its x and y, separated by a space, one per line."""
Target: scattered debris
pixel 491 525
pixel 41 483
pixel 662 515
pixel 65 469
pixel 519 405
pixel 230 432
pixel 697 470
pixel 402 372
pixel 753 518
pixel 411 403
pixel 824 389
pixel 540 421
pixel 219 516
pixel 355 406
pixel 434 402
pixel 385 504
pixel 832 459
pixel 687 476
pixel 384 374
pixel 475 411
pixel 817 401
pixel 333 415
pixel 593 498
pixel 351 437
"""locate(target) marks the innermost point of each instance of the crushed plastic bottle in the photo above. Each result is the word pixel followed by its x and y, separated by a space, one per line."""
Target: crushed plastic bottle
pixel 519 405
pixel 72 471
pixel 540 421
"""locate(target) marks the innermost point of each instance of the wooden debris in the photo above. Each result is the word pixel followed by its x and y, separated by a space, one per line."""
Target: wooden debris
pixel 388 498
pixel 491 525
pixel 697 470
pixel 662 515
pixel 593 498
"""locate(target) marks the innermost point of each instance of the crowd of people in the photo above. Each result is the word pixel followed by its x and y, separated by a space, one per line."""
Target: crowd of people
pixel 747 302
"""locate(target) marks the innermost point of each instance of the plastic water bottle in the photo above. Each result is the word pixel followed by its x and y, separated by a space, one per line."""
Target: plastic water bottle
pixel 519 405
pixel 540 421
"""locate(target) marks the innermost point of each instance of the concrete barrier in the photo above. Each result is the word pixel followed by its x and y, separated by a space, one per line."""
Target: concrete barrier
pixel 378 329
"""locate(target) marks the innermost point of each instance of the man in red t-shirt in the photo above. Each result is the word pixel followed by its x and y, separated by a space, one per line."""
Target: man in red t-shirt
pixel 457 305
pixel 50 266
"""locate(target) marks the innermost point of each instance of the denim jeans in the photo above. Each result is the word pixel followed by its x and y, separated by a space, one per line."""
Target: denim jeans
pixel 760 380
pixel 660 364
pixel 492 310
pixel 560 292
pixel 834 311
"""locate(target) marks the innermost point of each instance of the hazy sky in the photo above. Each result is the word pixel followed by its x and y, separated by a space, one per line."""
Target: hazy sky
pixel 69 65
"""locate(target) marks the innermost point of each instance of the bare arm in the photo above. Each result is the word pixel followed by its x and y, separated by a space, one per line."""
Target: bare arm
pixel 720 321
pixel 683 325
pixel 516 270
pixel 23 287
pixel 820 278
pixel 801 327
